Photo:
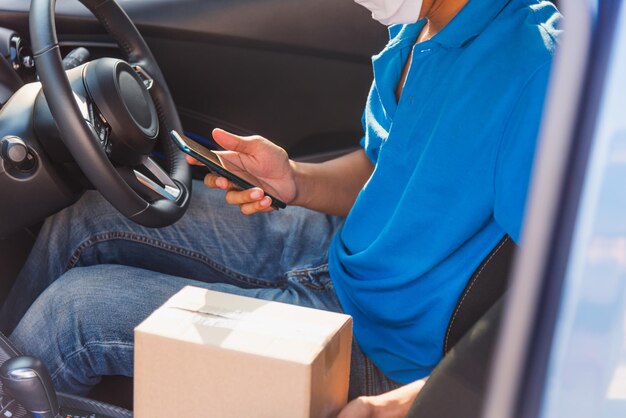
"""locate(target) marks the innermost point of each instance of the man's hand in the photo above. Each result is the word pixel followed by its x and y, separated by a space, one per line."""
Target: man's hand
pixel 330 187
pixel 394 404
pixel 258 161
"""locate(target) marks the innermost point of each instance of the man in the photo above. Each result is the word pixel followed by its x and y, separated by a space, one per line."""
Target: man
pixel 450 128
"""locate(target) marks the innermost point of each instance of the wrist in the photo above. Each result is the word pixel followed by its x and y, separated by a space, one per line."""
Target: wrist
pixel 301 177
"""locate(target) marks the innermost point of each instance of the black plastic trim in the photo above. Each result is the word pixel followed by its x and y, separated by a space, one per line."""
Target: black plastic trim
pixel 313 28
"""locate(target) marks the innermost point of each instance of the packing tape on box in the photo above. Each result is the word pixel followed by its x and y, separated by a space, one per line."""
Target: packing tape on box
pixel 243 321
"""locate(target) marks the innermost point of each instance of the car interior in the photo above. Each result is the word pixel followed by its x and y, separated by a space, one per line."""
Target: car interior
pixel 290 71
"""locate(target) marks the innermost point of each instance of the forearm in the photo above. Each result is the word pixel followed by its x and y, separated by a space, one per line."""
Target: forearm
pixel 394 404
pixel 332 187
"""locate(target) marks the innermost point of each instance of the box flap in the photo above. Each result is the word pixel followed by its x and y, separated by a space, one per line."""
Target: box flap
pixel 254 326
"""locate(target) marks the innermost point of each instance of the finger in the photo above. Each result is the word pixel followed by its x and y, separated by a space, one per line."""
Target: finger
pixel 262 206
pixel 192 161
pixel 265 203
pixel 255 194
pixel 231 161
pixel 224 184
pixel 233 142
pixel 216 182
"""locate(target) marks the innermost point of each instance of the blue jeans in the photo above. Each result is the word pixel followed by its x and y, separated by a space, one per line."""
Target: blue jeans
pixel 93 276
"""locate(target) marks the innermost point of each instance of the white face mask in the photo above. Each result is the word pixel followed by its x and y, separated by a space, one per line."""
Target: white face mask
pixel 391 12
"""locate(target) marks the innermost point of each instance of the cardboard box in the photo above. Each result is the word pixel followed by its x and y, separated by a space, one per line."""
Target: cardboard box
pixel 211 354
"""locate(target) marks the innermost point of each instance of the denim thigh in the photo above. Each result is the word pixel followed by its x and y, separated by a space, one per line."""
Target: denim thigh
pixel 82 326
pixel 213 242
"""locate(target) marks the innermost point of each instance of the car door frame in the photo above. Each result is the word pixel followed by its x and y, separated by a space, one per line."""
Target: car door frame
pixel 519 369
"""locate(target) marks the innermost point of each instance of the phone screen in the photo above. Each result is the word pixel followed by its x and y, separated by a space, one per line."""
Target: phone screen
pixel 205 152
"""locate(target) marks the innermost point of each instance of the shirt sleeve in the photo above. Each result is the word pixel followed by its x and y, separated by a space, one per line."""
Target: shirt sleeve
pixel 516 154
pixel 362 141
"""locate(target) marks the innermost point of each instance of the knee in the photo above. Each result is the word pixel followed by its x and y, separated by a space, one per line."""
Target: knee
pixel 72 331
pixel 86 304
pixel 54 317
pixel 75 309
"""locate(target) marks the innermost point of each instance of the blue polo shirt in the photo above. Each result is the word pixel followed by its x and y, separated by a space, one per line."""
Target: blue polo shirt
pixel 452 163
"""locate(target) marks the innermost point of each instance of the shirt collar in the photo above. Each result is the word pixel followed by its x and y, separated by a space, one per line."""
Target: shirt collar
pixel 475 16
pixel 400 34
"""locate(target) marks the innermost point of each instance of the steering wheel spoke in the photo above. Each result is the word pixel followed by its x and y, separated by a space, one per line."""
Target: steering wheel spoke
pixel 96 121
pixel 147 79
pixel 151 176
pixel 152 182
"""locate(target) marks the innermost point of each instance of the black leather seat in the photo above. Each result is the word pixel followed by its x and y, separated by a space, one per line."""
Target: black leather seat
pixel 456 389
pixel 457 386
pixel 485 287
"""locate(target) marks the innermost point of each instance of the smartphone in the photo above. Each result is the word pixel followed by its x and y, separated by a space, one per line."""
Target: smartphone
pixel 211 160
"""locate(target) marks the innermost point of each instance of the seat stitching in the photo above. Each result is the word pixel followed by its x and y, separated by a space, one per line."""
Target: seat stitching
pixel 469 289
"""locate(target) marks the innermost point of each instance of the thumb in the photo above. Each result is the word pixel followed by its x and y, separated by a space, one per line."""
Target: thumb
pixel 229 159
pixel 232 142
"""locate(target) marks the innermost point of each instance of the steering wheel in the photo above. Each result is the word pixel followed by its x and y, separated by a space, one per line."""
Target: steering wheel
pixel 110 114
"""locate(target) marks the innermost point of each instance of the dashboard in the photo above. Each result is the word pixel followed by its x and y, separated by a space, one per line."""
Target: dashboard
pixel 31 186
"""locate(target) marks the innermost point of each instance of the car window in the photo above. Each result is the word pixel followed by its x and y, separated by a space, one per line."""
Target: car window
pixel 587 373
